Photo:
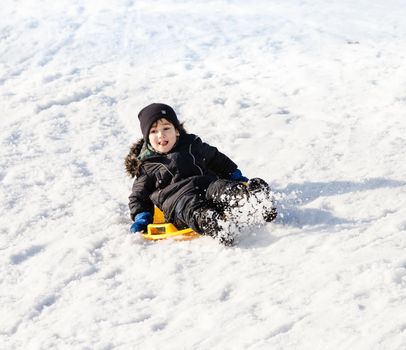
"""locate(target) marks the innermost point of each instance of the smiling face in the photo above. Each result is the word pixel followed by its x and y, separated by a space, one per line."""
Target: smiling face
pixel 162 136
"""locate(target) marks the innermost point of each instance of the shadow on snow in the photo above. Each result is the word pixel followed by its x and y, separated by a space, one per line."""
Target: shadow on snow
pixel 294 196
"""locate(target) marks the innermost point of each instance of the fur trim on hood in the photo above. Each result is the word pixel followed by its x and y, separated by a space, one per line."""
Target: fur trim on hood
pixel 131 162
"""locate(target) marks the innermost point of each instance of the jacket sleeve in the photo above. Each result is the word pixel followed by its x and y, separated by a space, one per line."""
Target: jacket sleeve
pixel 139 200
pixel 217 162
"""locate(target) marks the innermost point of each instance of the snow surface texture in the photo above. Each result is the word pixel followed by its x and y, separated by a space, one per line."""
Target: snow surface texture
pixel 308 94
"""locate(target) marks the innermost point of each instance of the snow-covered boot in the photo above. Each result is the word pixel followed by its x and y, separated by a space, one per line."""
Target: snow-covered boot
pixel 211 223
pixel 262 192
pixel 227 194
pixel 236 196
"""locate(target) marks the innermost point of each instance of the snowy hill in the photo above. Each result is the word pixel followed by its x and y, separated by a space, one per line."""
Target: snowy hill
pixel 309 95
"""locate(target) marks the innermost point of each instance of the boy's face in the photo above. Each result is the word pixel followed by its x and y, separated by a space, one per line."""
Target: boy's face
pixel 162 135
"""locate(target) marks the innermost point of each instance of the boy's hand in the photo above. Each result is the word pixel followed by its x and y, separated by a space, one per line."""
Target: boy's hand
pixel 238 176
pixel 141 222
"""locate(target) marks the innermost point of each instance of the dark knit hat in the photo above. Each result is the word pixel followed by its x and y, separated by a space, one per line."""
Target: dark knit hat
pixel 153 112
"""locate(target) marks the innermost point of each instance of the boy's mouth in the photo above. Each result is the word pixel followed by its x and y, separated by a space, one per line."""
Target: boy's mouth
pixel 163 143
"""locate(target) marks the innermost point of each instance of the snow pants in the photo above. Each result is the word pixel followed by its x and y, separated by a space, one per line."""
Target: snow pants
pixel 193 207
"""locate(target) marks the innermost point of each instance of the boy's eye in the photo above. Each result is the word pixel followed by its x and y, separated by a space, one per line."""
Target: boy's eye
pixel 152 131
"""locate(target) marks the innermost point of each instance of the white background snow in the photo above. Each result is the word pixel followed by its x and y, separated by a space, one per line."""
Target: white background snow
pixel 308 94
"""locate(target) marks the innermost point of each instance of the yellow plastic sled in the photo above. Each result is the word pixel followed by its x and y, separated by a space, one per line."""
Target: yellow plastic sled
pixel 160 229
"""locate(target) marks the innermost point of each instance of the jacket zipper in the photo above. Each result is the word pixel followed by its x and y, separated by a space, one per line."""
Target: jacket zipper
pixel 194 159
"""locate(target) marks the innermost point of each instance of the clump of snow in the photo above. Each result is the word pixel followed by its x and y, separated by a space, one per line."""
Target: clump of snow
pixel 309 95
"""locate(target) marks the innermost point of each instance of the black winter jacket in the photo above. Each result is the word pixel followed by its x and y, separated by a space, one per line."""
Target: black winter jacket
pixel 161 179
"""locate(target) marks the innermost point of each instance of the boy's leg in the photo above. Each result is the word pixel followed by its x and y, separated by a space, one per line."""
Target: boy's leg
pixel 185 208
pixel 207 214
pixel 193 210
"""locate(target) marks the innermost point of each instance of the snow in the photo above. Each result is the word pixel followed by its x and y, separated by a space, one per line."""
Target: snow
pixel 309 95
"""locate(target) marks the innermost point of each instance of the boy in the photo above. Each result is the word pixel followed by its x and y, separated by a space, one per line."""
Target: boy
pixel 193 183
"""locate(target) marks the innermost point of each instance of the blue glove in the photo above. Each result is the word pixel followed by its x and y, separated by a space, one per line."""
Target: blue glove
pixel 141 222
pixel 238 176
